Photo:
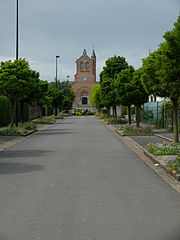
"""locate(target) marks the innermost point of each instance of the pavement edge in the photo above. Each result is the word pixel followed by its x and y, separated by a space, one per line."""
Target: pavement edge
pixel 149 160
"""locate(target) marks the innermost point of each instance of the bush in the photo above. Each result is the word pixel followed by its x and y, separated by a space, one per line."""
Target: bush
pixel 78 113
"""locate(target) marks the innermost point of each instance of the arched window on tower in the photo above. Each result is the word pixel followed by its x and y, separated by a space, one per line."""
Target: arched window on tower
pixel 87 66
pixel 81 66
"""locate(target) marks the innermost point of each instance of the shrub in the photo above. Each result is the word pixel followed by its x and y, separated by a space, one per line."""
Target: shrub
pixel 78 113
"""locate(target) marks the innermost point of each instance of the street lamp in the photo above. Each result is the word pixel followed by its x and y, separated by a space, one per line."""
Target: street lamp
pixel 56 84
pixel 68 78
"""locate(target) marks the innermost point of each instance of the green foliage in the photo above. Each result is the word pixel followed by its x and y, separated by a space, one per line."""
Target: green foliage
pixel 27 126
pixel 161 71
pixel 134 131
pixel 113 66
pixel 66 99
pixel 5 109
pixel 18 82
pixel 44 120
pixel 96 97
pixel 163 149
pixel 124 87
pixel 174 165
pixel 57 98
pixel 12 131
pixel 108 93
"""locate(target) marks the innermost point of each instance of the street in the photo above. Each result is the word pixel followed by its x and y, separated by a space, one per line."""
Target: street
pixel 76 180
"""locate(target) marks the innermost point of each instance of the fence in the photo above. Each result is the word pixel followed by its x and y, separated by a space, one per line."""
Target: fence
pixel 159 114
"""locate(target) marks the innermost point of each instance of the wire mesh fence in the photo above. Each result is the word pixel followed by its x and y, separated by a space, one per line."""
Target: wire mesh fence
pixel 159 114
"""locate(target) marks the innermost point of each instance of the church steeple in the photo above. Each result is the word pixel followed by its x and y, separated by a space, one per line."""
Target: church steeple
pixel 93 54
pixel 84 53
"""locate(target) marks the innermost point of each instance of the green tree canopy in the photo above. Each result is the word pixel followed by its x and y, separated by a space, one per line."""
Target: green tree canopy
pixel 17 82
pixel 124 88
pixel 161 71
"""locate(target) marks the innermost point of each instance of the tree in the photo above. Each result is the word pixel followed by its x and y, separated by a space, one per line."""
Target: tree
pixel 108 94
pixel 29 87
pixel 68 94
pixel 124 89
pixel 57 97
pixel 16 82
pixel 113 66
pixel 140 96
pixel 161 71
pixel 40 95
pixel 96 99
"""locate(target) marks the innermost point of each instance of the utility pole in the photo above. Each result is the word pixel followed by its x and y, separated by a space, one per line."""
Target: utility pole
pixel 17 52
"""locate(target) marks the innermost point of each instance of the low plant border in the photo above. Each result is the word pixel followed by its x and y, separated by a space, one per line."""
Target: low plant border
pixel 23 135
pixel 155 159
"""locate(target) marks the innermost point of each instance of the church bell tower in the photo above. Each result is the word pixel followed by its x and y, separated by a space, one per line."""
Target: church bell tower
pixel 85 79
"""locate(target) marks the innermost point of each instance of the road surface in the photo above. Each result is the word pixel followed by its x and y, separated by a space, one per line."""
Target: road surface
pixel 77 181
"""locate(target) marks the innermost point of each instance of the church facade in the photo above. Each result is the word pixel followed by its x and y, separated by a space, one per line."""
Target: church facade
pixel 85 79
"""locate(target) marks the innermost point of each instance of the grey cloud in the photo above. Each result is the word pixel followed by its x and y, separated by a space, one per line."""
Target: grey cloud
pixel 65 28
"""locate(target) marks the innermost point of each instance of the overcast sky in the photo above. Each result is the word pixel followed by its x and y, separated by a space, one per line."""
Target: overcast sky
pixel 48 28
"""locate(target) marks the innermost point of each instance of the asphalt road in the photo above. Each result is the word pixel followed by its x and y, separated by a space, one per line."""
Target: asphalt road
pixel 77 181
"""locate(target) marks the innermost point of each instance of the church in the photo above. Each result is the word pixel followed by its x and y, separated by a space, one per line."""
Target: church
pixel 85 79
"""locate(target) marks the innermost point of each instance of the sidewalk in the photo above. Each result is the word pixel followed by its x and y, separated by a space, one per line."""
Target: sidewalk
pixel 7 141
pixel 161 136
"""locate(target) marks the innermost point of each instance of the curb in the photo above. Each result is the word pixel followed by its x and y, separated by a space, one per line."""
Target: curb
pixel 21 135
pixel 150 156
pixel 163 137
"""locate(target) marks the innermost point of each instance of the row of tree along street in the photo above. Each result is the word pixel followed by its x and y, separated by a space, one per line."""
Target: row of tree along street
pixel 121 84
pixel 22 85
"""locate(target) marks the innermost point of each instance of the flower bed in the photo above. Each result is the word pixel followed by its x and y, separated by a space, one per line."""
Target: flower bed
pixel 174 165
pixel 163 149
pixel 45 120
pixel 134 131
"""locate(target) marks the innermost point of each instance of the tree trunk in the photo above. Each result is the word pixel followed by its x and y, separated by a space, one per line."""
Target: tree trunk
pixel 115 111
pixel 137 115
pixel 16 113
pixel 12 114
pixel 55 110
pixel 22 111
pixel 129 114
pixel 175 119
pixel 40 111
pixel 163 117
